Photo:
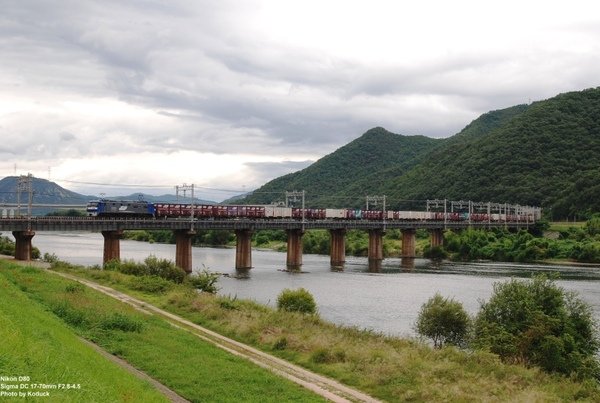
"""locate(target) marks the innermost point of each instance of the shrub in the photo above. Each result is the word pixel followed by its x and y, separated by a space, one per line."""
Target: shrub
pixel 152 266
pixel 164 268
pixel 7 246
pixel 538 323
pixel 299 300
pixel 280 344
pixel 50 258
pixel 444 321
pixel 435 252
pixel 204 281
pixel 131 267
pixel 112 265
pixel 150 284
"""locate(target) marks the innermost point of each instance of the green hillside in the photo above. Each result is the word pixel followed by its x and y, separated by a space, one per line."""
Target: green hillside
pixel 548 155
pixel 327 180
pixel 545 154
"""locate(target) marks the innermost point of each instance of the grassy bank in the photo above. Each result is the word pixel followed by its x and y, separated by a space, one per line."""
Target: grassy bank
pixel 39 349
pixel 391 369
pixel 193 368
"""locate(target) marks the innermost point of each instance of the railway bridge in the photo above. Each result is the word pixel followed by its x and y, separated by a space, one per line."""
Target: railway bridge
pixel 24 229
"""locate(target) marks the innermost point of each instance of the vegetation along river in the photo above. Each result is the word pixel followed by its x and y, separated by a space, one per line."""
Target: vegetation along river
pixel 387 301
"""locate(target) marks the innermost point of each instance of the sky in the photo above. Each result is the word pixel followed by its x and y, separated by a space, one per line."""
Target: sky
pixel 115 97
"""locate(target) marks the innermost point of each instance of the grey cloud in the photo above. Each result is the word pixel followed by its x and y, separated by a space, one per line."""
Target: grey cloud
pixel 66 137
pixel 227 91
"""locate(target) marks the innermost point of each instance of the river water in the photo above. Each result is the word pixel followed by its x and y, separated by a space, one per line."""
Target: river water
pixel 387 301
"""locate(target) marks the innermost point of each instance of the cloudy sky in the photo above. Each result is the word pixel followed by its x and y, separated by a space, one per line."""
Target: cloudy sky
pixel 230 94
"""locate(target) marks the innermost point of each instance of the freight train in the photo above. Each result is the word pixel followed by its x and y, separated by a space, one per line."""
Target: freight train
pixel 143 209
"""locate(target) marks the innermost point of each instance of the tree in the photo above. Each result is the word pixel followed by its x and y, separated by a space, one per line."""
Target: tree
pixel 592 226
pixel 538 323
pixel 444 321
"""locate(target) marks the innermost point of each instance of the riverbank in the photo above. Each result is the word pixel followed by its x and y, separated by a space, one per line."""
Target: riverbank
pixel 65 308
pixel 388 368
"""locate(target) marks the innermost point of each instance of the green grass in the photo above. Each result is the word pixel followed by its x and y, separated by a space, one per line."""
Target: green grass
pixel 192 367
pixel 39 346
pixel 388 368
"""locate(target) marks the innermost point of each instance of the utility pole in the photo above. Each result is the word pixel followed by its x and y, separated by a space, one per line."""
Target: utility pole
pixel 436 205
pixel 293 197
pixel 25 184
pixel 375 200
pixel 184 188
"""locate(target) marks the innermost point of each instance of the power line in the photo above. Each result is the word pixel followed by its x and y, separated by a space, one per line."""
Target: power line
pixel 112 184
pixel 126 185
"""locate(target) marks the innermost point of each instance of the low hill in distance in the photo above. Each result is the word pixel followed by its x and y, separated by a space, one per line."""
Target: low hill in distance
pixel 44 191
pixel 47 192
pixel 545 154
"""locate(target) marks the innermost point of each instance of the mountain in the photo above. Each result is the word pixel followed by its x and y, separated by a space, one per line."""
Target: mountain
pixel 545 154
pixel 44 191
pixel 326 181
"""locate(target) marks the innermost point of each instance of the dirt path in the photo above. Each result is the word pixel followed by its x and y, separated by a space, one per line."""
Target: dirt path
pixel 323 386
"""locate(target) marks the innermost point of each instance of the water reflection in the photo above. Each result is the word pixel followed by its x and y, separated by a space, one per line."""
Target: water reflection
pixel 337 268
pixel 408 264
pixel 375 265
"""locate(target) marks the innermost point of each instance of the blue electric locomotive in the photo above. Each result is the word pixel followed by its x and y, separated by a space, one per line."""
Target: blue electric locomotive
pixel 120 208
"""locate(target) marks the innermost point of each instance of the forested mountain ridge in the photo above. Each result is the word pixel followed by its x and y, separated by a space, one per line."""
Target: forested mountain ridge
pixel 326 180
pixel 548 156
pixel 545 154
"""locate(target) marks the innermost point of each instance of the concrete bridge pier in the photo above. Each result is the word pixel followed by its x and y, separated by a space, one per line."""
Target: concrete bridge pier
pixel 409 242
pixel 294 248
pixel 243 249
pixel 112 245
pixel 338 247
pixel 375 249
pixel 407 264
pixel 183 249
pixel 437 237
pixel 23 244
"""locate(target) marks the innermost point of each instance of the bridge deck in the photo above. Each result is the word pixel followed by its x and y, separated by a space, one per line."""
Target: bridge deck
pixel 103 224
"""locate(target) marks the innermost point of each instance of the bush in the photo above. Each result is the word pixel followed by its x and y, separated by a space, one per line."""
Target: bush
pixel 444 321
pixel 205 281
pixel 164 268
pixel 435 252
pixel 299 300
pixel 50 258
pixel 131 267
pixel 150 284
pixel 7 246
pixel 538 323
pixel 152 266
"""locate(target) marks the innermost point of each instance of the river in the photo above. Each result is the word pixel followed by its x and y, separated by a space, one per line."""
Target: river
pixel 387 301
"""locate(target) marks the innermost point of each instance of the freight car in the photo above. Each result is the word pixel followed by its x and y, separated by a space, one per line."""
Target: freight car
pixel 112 208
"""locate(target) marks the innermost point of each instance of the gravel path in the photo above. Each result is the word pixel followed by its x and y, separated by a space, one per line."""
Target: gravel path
pixel 323 386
